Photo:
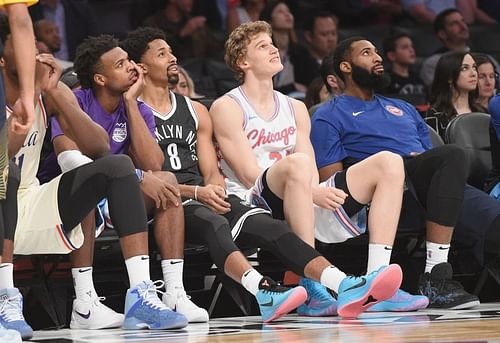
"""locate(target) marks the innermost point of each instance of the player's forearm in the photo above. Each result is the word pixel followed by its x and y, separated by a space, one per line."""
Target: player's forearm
pixel 147 153
pixel 90 137
pixel 24 42
pixel 15 141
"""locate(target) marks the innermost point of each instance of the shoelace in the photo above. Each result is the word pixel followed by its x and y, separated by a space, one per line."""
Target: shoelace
pixel 12 308
pixel 149 296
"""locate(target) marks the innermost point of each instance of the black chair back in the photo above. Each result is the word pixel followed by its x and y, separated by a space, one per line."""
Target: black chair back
pixel 471 132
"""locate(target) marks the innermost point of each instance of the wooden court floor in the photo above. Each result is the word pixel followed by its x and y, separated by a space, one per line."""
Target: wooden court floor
pixel 481 324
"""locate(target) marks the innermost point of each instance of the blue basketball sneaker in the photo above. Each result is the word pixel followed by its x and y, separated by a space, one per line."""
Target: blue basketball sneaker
pixel 9 336
pixel 143 309
pixel 356 294
pixel 11 312
pixel 319 303
pixel 401 302
pixel 276 300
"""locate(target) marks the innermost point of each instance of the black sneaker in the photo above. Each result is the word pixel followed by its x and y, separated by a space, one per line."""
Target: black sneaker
pixel 443 292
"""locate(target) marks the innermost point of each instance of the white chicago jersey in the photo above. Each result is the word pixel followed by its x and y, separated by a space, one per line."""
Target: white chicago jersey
pixel 28 157
pixel 270 139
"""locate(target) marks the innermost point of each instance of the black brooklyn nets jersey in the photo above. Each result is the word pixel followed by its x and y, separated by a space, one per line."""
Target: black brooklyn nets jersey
pixel 176 132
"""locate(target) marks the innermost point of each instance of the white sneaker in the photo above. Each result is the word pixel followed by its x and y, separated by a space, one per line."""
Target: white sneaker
pixel 94 315
pixel 181 303
pixel 9 336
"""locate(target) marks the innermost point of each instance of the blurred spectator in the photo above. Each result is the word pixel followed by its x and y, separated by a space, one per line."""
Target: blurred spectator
pixel 74 19
pixel 425 11
pixel 487 80
pixel 281 19
pixel 365 12
pixel 321 34
pixel 473 14
pixel 188 35
pixel 454 90
pixel 243 12
pixel 492 183
pixel 453 32
pixel 399 52
pixel 333 84
pixel 185 85
pixel 46 32
pixel 316 93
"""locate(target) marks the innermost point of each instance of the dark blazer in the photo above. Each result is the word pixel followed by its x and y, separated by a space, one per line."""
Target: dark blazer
pixel 80 22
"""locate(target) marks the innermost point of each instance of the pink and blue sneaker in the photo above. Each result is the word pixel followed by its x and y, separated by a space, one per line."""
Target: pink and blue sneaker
pixel 401 302
pixel 319 303
pixel 357 294
pixel 276 300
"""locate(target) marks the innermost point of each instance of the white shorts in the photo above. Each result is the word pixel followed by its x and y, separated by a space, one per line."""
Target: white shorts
pixel 331 226
pixel 335 226
pixel 39 226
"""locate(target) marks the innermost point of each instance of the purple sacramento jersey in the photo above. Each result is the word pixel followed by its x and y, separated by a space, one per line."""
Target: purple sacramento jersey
pixel 115 123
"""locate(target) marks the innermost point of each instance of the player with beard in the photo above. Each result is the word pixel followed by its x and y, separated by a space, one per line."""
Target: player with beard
pixel 358 124
pixel 267 158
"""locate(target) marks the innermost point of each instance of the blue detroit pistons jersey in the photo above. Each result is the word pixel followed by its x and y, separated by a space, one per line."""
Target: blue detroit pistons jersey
pixel 350 128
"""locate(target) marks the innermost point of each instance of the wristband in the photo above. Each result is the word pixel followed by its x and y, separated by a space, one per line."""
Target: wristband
pixel 140 174
pixel 196 192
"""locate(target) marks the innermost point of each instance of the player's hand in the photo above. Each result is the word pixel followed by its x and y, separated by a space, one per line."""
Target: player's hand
pixel 213 196
pixel 48 72
pixel 138 83
pixel 23 116
pixel 329 197
pixel 161 192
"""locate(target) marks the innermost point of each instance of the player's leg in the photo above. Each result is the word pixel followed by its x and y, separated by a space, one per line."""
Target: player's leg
pixel 203 226
pixel 114 178
pixel 291 182
pixel 379 180
pixel 169 236
pixel 11 305
pixel 355 294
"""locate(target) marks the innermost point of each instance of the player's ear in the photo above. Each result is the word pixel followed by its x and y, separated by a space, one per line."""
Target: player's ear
pixel 143 67
pixel 99 79
pixel 345 67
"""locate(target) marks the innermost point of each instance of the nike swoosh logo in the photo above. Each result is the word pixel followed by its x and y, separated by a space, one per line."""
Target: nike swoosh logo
pixel 84 270
pixel 175 262
pixel 357 113
pixel 85 316
pixel 359 284
pixel 387 248
pixel 443 248
pixel 144 258
pixel 270 303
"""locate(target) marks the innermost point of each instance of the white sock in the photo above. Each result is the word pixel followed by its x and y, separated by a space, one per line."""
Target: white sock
pixel 250 280
pixel 172 275
pixel 137 269
pixel 83 282
pixel 378 255
pixel 6 275
pixel 331 277
pixel 436 253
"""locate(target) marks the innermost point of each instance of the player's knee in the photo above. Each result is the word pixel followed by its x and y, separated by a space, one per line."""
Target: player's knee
pixel 167 177
pixel 391 166
pixel 116 165
pixel 298 168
